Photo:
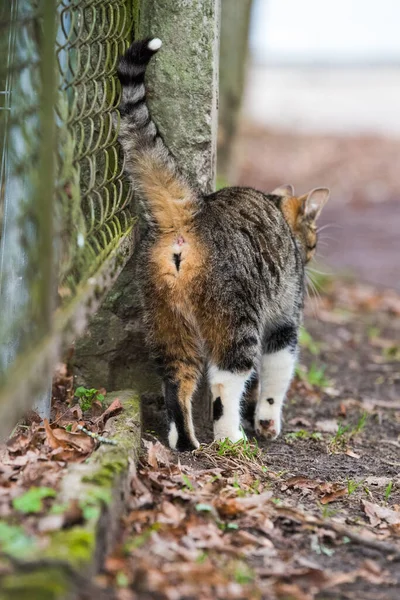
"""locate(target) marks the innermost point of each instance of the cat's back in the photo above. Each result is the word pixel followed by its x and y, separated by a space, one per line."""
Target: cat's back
pixel 243 217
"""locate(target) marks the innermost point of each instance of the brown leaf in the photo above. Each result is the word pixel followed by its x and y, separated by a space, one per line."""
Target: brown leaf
pixel 51 439
pixel 285 591
pixel 229 507
pixel 378 514
pixel 18 443
pixel 157 454
pixel 76 445
pixel 299 482
pixel 114 409
pixel 334 496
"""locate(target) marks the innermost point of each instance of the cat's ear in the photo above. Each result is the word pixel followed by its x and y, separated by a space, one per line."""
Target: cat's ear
pixel 315 201
pixel 286 190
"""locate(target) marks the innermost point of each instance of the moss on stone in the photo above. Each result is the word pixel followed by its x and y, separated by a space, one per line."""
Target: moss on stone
pixel 107 471
pixel 96 485
pixel 49 583
pixel 75 545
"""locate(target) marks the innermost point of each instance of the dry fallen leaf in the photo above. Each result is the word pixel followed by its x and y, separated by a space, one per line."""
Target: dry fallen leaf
pixel 332 496
pixel 380 515
pixel 67 445
pixel 157 454
pixel 114 409
pixel 299 482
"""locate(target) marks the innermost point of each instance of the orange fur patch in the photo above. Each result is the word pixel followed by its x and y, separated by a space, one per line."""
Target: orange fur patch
pixel 291 209
pixel 170 199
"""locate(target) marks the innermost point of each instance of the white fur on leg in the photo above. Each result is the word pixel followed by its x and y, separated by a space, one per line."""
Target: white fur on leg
pixel 229 387
pixel 172 435
pixel 275 377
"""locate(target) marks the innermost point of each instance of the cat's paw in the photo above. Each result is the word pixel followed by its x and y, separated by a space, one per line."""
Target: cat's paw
pixel 182 442
pixel 268 422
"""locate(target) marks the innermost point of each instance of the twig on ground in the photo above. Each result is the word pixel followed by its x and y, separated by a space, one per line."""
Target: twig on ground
pixel 96 436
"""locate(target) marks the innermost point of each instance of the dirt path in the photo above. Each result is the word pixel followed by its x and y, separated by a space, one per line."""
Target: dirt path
pixel 315 514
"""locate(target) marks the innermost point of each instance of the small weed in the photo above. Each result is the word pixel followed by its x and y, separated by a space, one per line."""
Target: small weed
pixel 302 434
pixel 368 492
pixel 345 433
pixel 243 573
pixel 243 449
pixel 360 426
pixel 87 396
pixel 281 473
pixel 388 490
pixel 315 375
pixel 139 540
pixel 306 341
pixel 392 353
pixel 326 511
pixel 276 501
pixel 188 484
pixel 373 332
pixel 201 558
pixel 239 491
pixel 32 500
pixel 352 486
pixel 121 580
pixel 228 526
pixel 255 486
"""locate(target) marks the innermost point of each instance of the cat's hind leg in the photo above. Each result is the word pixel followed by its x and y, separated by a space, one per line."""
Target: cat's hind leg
pixel 227 390
pixel 276 372
pixel 228 378
pixel 178 392
pixel 175 346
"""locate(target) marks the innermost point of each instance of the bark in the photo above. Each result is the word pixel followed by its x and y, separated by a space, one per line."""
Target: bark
pixel 235 20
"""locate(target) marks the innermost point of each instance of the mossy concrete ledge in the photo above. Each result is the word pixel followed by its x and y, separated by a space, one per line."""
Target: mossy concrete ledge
pixel 59 565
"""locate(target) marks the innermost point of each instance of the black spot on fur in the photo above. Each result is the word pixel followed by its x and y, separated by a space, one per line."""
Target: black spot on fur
pixel 270 400
pixel 218 409
pixel 177 261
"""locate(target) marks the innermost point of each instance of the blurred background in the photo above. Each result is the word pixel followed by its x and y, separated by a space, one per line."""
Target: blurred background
pixel 312 98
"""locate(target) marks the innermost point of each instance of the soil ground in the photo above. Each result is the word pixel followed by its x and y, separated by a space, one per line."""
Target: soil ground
pixel 313 514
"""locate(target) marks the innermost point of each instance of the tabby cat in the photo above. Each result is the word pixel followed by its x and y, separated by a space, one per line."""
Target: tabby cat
pixel 222 276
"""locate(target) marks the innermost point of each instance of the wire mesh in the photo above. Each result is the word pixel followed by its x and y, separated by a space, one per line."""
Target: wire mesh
pixel 64 203
pixel 91 188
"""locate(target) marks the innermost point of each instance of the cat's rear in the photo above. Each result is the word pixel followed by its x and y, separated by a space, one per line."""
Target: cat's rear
pixel 222 277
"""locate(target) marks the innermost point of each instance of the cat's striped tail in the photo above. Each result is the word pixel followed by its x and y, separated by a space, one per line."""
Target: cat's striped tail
pixel 169 202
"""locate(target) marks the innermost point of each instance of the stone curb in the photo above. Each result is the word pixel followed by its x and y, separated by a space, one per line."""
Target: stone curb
pixel 62 567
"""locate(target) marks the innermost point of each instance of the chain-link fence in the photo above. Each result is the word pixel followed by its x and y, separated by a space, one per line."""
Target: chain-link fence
pixel 65 209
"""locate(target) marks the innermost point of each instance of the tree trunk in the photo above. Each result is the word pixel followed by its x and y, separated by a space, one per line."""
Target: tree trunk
pixel 235 20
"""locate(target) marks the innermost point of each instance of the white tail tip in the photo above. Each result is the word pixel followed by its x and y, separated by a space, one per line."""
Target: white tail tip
pixel 154 44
